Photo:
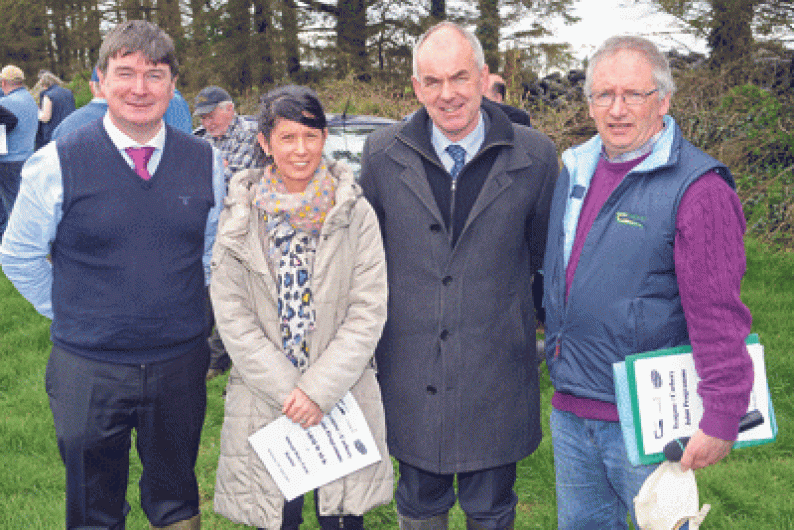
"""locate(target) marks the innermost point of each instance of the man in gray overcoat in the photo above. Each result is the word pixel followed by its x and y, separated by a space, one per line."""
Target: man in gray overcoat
pixel 463 199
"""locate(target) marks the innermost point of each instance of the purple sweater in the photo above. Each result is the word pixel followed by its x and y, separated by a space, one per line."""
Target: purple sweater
pixel 709 265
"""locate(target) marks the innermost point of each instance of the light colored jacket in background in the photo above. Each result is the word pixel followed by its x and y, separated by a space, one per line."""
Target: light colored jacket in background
pixel 350 296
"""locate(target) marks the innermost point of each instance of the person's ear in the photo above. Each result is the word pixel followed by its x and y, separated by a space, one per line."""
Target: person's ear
pixel 263 143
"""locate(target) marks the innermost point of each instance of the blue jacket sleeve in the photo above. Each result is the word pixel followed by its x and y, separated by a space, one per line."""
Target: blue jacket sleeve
pixel 31 229
pixel 219 191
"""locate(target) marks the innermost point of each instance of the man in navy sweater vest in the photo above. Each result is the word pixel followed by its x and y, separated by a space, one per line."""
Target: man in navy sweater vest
pixel 127 209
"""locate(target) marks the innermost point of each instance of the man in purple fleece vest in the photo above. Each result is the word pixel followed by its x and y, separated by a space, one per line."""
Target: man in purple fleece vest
pixel 644 252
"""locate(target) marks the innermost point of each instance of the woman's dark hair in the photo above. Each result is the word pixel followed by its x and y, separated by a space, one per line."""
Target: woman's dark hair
pixel 292 102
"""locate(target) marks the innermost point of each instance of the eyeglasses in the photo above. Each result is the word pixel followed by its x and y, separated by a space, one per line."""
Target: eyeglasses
pixel 632 99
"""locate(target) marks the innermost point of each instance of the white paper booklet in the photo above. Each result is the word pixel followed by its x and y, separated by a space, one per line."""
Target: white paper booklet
pixel 673 408
pixel 3 144
pixel 300 460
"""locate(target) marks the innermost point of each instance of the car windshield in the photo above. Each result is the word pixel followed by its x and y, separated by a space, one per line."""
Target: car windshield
pixel 346 138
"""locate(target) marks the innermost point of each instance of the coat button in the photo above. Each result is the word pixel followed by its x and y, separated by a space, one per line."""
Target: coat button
pixel 431 390
pixel 447 280
pixel 435 227
pixel 444 334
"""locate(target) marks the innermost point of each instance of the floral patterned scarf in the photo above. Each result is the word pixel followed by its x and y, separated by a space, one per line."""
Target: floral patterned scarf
pixel 306 210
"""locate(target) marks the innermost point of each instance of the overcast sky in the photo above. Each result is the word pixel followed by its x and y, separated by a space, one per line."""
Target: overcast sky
pixel 601 19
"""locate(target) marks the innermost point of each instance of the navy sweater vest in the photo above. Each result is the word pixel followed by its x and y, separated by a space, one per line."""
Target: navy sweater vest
pixel 624 298
pixel 128 281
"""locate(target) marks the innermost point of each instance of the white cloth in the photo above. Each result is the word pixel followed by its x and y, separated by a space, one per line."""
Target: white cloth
pixel 668 499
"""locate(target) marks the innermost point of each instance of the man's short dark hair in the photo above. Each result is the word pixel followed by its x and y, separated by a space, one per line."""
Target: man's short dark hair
pixel 499 88
pixel 138 36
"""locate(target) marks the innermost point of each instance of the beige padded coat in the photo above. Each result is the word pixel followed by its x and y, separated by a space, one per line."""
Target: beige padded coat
pixel 349 288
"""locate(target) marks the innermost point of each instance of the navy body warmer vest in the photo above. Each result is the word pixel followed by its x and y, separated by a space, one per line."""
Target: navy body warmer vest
pixel 624 298
pixel 128 279
pixel 62 105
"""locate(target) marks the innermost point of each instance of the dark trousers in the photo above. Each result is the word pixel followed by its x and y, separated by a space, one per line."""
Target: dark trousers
pixel 485 496
pixel 219 358
pixel 96 405
pixel 9 188
pixel 537 298
pixel 292 517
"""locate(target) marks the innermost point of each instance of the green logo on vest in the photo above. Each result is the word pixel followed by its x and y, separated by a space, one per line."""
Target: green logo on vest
pixel 630 219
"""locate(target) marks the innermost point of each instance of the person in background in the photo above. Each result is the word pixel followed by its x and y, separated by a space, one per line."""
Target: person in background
pixel 497 92
pixel 235 137
pixel 111 239
pixel 299 292
pixel 91 111
pixel 644 252
pixel 462 196
pixel 20 142
pixel 8 121
pixel 55 104
pixel 497 89
pixel 178 113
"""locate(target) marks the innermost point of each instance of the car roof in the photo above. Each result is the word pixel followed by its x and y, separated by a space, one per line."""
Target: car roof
pixel 343 120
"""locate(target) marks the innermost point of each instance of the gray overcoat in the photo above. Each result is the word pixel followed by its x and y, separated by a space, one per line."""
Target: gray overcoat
pixel 457 362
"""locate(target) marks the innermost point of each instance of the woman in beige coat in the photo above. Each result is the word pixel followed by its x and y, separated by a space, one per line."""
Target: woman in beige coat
pixel 299 294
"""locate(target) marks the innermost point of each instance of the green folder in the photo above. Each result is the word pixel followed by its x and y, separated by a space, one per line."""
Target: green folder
pixel 643 450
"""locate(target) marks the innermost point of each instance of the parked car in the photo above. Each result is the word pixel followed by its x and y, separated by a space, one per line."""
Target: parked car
pixel 346 135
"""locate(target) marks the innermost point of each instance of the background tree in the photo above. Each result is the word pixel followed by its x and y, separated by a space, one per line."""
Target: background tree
pixel 134 9
pixel 438 10
pixel 23 36
pixel 251 44
pixel 488 26
pixel 262 41
pixel 198 48
pixel 730 34
pixel 169 17
pixel 350 21
pixel 234 47
pixel 289 26
pixel 732 26
pixel 521 25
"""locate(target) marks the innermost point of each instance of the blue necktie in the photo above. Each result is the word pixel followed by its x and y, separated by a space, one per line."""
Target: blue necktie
pixel 458 154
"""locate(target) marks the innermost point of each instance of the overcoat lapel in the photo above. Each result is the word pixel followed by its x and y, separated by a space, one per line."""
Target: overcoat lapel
pixel 413 176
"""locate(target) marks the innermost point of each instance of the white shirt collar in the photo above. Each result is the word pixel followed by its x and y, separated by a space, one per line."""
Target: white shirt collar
pixel 122 141
pixel 471 143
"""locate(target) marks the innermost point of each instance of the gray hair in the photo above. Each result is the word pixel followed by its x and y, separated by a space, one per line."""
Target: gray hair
pixel 48 79
pixel 660 67
pixel 474 42
pixel 138 36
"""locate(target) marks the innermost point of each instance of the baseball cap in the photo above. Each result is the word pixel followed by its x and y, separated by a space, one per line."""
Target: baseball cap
pixel 208 99
pixel 12 73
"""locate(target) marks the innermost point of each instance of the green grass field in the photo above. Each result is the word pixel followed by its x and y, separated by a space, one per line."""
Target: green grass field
pixel 752 489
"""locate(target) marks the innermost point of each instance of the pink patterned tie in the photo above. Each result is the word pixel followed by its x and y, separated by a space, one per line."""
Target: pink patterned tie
pixel 140 157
